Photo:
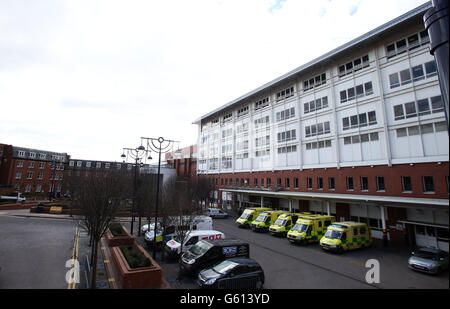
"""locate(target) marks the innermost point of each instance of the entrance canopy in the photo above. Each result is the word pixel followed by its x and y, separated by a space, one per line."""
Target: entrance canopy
pixel 392 201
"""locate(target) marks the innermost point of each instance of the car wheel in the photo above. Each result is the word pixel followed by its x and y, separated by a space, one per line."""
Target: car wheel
pixel 259 283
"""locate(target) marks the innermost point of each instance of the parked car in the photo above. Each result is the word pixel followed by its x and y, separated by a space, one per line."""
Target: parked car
pixel 208 252
pixel 428 260
pixel 217 213
pixel 234 273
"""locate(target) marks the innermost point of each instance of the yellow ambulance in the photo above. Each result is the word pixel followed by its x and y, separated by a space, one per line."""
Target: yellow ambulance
pixel 284 223
pixel 266 219
pixel 309 229
pixel 344 236
pixel 249 215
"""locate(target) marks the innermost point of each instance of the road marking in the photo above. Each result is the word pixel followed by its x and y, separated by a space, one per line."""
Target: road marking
pixel 74 256
pixel 357 263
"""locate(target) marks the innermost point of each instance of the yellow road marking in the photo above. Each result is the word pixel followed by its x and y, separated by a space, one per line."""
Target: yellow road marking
pixel 74 256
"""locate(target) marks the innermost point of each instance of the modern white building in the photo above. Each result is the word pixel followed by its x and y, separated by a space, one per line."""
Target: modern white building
pixel 359 132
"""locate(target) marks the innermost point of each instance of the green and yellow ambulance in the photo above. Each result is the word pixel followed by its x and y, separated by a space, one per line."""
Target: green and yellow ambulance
pixel 284 223
pixel 249 215
pixel 266 219
pixel 344 236
pixel 309 229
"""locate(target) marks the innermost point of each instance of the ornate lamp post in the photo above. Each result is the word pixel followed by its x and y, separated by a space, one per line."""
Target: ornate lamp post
pixel 136 154
pixel 159 145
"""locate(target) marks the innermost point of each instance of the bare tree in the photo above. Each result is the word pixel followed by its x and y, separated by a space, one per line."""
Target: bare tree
pixel 99 197
pixel 200 189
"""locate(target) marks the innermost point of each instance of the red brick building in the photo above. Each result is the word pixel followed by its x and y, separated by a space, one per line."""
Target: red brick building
pixel 184 161
pixel 30 170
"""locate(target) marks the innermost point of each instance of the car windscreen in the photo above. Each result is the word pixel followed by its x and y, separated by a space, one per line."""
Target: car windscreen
pixel 299 227
pixel 333 234
pixel 280 222
pixel 224 267
pixel 246 215
pixel 426 255
pixel 261 218
pixel 200 248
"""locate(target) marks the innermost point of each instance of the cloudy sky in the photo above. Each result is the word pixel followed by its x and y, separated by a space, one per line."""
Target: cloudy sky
pixel 89 77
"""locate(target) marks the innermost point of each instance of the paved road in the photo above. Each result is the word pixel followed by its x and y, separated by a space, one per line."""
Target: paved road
pixel 33 252
pixel 290 266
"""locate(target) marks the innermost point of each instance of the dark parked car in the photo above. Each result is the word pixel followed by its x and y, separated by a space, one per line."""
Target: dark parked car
pixel 428 260
pixel 207 252
pixel 234 273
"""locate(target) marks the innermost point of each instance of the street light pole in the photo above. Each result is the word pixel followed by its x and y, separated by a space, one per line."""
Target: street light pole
pixel 137 154
pixel 163 147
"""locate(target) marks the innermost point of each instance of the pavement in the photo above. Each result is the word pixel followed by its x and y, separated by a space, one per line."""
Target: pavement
pixel 106 275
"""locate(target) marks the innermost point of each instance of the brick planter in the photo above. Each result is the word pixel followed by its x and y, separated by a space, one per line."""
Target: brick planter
pixel 114 241
pixel 136 278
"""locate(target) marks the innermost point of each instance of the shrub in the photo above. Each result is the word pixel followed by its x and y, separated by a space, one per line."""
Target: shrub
pixel 117 229
pixel 134 257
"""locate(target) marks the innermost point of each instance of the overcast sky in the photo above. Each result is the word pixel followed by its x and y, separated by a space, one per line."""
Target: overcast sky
pixel 89 77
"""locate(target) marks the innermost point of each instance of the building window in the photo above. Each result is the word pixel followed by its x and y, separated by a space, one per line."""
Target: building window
pixel 315 105
pixel 320 183
pixel 18 175
pixel 30 175
pixel 286 114
pixel 350 93
pixel 354 66
pixel 261 103
pixel 315 82
pixel 279 182
pixel 284 94
pixel 269 182
pixel 406 184
pixel 287 182
pixel 331 185
pixel 364 183
pixel 350 186
pixel 296 183
pixel 309 183
pixel 286 136
pixel 413 41
pixel 380 184
pixel 19 163
pixel 428 185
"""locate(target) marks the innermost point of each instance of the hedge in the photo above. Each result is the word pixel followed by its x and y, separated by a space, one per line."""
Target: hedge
pixel 134 257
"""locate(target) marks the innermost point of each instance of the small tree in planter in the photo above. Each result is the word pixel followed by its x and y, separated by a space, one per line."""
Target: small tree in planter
pixel 98 198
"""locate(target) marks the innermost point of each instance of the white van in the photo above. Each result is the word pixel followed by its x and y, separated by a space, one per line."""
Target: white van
pixel 198 223
pixel 217 213
pixel 173 246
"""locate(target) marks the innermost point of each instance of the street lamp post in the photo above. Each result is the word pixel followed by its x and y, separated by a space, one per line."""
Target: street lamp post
pixel 136 154
pixel 159 145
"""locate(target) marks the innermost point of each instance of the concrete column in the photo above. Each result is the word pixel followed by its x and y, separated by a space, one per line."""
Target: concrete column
pixel 290 205
pixel 328 207
pixel 383 225
pixel 262 201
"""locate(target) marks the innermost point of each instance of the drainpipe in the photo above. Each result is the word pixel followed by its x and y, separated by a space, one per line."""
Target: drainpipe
pixel 437 25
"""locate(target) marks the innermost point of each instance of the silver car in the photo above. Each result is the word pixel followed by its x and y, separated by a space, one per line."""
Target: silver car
pixel 428 260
